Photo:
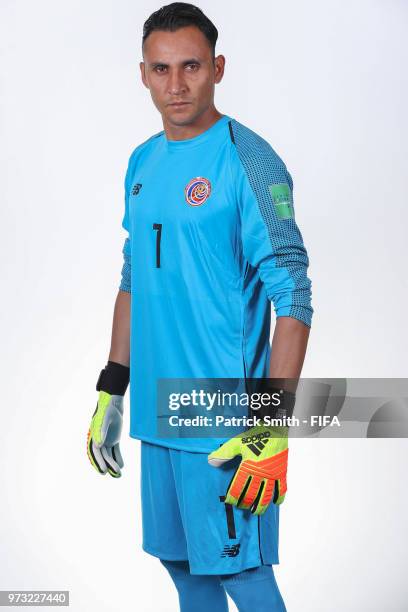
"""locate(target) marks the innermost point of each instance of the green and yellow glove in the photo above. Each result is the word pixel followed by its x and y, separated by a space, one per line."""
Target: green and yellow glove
pixel 261 476
pixel 106 425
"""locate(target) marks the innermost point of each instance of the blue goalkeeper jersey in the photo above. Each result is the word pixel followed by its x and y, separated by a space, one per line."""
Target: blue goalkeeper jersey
pixel 212 241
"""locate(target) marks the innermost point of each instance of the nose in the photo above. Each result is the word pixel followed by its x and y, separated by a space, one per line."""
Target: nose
pixel 176 83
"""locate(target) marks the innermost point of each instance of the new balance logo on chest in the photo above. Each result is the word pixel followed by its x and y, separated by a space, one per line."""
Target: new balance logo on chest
pixel 136 188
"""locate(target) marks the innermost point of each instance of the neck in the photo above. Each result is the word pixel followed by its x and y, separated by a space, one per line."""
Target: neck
pixel 195 128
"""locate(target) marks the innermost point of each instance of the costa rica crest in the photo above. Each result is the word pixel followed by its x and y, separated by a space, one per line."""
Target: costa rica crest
pixel 197 191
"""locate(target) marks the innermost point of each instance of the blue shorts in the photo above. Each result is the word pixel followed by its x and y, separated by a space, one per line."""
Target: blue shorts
pixel 185 518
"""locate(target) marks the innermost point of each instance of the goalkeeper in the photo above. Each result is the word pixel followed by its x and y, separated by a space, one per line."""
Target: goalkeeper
pixel 211 242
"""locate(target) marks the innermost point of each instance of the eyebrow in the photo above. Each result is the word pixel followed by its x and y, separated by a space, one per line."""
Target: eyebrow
pixel 193 60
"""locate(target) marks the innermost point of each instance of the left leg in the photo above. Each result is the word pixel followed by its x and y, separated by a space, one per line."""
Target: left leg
pixel 230 543
pixel 254 589
pixel 220 538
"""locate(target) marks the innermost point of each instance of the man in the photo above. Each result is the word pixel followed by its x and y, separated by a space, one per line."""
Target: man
pixel 212 241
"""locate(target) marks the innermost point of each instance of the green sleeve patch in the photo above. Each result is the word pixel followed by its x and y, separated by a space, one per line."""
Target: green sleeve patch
pixel 282 200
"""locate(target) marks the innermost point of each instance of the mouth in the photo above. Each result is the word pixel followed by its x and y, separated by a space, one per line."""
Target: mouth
pixel 178 104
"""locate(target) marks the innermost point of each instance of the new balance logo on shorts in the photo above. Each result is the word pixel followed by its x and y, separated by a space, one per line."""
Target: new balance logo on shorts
pixel 231 550
pixel 136 188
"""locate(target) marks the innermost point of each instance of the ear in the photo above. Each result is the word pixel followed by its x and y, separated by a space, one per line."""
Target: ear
pixel 219 67
pixel 143 74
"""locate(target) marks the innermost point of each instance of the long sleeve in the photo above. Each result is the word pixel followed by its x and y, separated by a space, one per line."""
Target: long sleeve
pixel 271 239
pixel 125 283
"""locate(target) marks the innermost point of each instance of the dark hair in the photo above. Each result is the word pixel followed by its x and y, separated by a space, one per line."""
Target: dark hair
pixel 179 15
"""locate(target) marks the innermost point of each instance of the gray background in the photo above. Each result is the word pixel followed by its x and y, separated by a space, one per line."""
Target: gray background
pixel 326 83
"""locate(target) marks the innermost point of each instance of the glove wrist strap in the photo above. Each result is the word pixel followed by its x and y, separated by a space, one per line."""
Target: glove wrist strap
pixel 277 409
pixel 113 379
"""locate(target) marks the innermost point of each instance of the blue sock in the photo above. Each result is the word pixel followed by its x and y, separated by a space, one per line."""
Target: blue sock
pixel 254 589
pixel 196 593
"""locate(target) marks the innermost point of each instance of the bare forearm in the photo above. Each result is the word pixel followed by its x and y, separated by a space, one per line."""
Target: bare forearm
pixel 288 348
pixel 120 341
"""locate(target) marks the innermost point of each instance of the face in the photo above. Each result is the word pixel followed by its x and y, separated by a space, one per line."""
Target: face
pixel 181 73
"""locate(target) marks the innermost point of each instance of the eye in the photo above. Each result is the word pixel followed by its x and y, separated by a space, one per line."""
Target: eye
pixel 192 67
pixel 160 68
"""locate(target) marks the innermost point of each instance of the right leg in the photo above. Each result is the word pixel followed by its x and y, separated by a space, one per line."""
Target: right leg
pixel 163 533
pixel 196 593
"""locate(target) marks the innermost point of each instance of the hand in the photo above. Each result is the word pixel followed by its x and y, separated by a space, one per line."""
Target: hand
pixel 104 435
pixel 106 425
pixel 261 476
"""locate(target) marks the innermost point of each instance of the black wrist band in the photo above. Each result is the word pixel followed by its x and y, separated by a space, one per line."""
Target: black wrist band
pixel 281 404
pixel 113 379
